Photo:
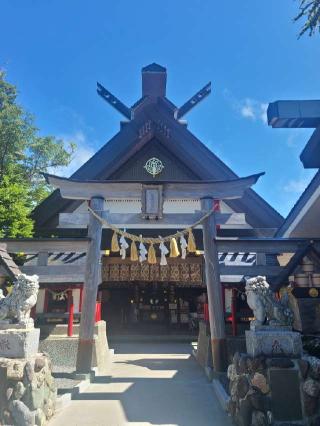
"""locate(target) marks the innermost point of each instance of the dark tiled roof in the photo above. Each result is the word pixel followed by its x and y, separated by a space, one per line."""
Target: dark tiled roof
pixel 296 209
pixel 7 262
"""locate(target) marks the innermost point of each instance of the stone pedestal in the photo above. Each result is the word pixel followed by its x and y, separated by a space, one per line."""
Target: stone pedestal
pixel 27 391
pixel 204 349
pixel 273 341
pixel 16 342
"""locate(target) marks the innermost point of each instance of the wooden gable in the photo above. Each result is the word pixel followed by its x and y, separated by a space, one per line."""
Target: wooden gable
pixel 173 168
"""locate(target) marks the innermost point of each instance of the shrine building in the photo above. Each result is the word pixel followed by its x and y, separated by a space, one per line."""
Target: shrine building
pixel 154 146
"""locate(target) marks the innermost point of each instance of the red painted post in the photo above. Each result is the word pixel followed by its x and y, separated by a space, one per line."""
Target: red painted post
pixel 98 312
pixel 71 313
pixel 206 312
pixel 46 301
pixel 216 208
pixel 234 312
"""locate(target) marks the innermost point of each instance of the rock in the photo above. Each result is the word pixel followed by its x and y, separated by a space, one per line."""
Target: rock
pixel 314 369
pixel 40 419
pixel 255 364
pixel 28 369
pixel 310 405
pixel 270 417
pixel 21 414
pixel 311 388
pixel 242 364
pixel 259 419
pixel 280 363
pixel 39 364
pixel 260 382
pixel 242 386
pixel 235 361
pixel 244 414
pixel 232 408
pixel 19 390
pixel 304 367
pixel 257 401
pixel 49 408
pixel 15 370
pixel 231 373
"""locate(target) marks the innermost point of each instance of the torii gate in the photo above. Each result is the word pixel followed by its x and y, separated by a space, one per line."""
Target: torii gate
pixel 98 191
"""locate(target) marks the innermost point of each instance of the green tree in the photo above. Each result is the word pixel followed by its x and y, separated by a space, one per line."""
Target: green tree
pixel 310 12
pixel 24 155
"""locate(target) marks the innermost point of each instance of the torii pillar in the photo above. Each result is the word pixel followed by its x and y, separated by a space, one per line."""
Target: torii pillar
pixel 90 289
pixel 215 303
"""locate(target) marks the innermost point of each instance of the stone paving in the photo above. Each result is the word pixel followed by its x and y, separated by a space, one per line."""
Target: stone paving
pixel 150 384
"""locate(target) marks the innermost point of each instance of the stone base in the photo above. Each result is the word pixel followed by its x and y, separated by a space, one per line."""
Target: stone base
pixel 204 349
pixel 19 343
pixel 27 391
pixel 273 342
pixel 63 349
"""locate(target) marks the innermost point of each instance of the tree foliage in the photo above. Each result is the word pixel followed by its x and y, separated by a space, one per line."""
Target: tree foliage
pixel 24 155
pixel 310 12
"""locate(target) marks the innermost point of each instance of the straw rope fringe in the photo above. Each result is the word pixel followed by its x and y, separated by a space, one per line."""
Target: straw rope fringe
pixel 137 238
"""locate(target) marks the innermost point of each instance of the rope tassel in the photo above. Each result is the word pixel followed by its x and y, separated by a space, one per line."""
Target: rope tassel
pixel 191 242
pixel 174 251
pixel 152 255
pixel 114 242
pixel 133 252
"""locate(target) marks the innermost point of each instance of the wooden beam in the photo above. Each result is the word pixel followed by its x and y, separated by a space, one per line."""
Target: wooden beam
pixel 90 290
pixel 85 190
pixel 267 245
pixel 55 270
pixel 216 312
pixel 134 220
pixel 33 245
pixel 251 270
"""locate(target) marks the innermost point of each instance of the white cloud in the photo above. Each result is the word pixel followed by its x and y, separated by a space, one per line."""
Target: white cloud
pixel 249 108
pixel 296 185
pixel 82 153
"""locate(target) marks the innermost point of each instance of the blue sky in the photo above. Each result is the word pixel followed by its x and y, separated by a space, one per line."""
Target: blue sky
pixel 55 51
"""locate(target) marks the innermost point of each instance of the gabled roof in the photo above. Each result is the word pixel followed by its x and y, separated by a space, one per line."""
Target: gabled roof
pixel 154 119
pixel 307 205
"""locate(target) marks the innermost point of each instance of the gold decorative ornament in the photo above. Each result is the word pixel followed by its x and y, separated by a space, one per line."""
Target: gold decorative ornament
pixel 154 166
pixel 313 292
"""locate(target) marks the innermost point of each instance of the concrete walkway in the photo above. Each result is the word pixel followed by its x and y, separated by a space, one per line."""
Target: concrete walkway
pixel 150 384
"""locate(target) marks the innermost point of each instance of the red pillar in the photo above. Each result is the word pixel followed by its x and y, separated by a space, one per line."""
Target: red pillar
pixel 71 313
pixel 216 208
pixel 234 312
pixel 46 301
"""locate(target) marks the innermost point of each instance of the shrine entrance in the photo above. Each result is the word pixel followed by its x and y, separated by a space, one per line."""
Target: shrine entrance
pixel 152 299
pixel 152 308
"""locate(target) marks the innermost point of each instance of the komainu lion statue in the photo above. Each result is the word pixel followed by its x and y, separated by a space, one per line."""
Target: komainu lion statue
pixel 264 304
pixel 16 306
